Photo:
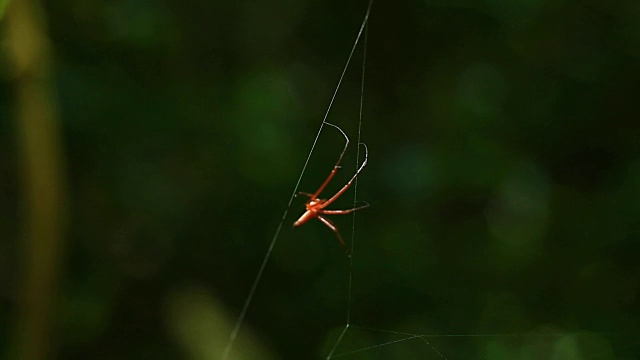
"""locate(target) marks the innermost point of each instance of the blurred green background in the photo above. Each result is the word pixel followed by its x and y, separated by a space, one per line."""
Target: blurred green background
pixel 503 178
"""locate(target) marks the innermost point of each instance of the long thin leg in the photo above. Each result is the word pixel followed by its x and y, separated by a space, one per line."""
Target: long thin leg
pixel 342 212
pixel 346 187
pixel 336 167
pixel 333 227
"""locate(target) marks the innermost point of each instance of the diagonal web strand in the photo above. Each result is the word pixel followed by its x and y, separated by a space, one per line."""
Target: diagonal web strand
pixel 247 303
pixel 355 186
pixel 378 345
pixel 335 346
pixel 364 27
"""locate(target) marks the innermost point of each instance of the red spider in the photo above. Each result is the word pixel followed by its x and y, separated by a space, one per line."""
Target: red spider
pixel 316 207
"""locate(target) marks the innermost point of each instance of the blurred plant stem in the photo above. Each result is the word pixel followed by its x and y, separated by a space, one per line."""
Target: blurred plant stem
pixel 3 6
pixel 42 175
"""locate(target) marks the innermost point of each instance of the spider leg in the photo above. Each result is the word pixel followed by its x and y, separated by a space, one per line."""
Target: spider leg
pixel 337 166
pixel 346 187
pixel 334 228
pixel 305 194
pixel 342 212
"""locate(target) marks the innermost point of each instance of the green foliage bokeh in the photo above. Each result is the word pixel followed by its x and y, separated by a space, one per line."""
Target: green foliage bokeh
pixel 503 178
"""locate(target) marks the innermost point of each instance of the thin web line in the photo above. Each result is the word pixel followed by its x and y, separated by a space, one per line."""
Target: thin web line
pixel 364 27
pixel 409 336
pixel 377 346
pixel 245 307
pixel 493 335
pixel 421 336
pixel 355 186
pixel 471 335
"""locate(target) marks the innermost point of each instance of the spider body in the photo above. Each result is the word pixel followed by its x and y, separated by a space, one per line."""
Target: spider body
pixel 310 213
pixel 315 207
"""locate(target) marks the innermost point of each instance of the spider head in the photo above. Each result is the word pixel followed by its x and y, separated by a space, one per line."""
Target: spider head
pixel 313 204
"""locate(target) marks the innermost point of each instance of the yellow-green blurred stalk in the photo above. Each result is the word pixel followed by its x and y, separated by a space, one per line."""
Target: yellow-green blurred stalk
pixel 42 177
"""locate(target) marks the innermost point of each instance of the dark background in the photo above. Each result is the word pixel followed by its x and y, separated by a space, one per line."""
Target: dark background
pixel 503 178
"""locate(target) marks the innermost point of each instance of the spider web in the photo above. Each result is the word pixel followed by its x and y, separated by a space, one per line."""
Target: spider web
pixel 358 341
pixel 240 320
